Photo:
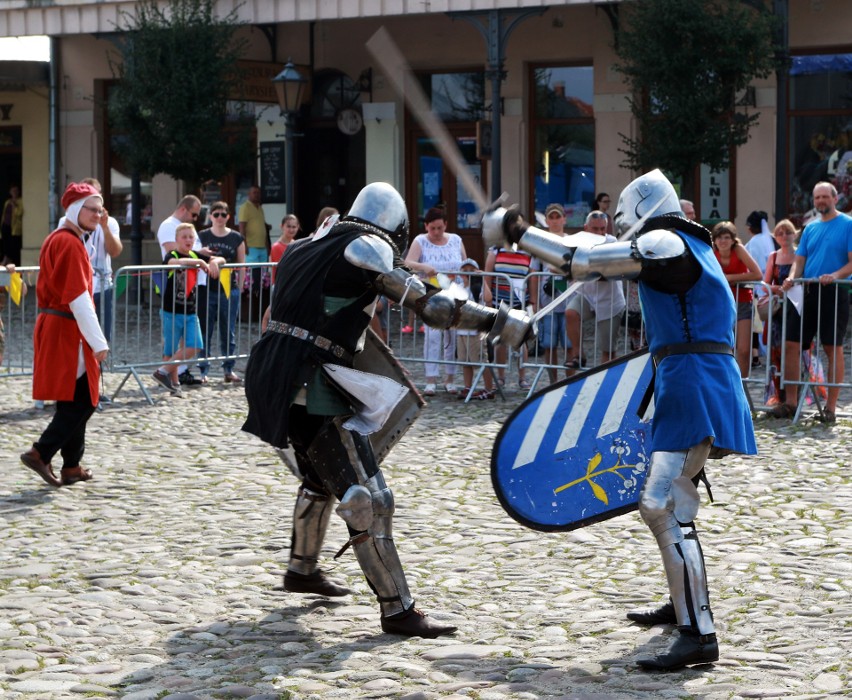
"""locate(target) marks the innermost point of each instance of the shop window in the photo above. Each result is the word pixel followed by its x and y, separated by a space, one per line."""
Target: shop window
pixel 819 130
pixel 563 140
pixel 456 97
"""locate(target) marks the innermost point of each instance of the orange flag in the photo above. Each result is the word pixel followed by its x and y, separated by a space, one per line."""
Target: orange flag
pixel 191 279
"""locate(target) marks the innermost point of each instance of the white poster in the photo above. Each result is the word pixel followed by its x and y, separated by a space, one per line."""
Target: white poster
pixel 715 194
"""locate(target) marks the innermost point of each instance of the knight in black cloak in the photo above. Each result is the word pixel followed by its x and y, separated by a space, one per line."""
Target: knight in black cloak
pixel 303 392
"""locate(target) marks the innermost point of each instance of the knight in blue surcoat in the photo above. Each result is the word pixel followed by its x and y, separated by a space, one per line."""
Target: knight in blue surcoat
pixel 700 407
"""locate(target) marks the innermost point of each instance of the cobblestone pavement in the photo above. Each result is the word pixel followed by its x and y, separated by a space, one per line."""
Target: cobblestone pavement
pixel 160 578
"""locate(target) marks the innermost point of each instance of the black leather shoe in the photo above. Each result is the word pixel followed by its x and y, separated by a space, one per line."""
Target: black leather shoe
pixel 687 649
pixel 664 615
pixel 188 379
pixel 316 582
pixel 413 623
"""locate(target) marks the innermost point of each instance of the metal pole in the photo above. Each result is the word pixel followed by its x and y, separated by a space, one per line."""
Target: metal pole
pixel 289 188
pixel 497 76
pixel 53 155
pixel 136 218
pixel 781 76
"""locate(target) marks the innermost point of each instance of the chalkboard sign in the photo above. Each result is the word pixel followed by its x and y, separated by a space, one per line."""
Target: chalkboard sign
pixel 272 180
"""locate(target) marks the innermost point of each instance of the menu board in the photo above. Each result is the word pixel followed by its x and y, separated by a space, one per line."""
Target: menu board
pixel 272 176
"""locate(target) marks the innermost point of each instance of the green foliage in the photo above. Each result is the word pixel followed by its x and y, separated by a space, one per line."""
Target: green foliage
pixel 177 71
pixel 685 61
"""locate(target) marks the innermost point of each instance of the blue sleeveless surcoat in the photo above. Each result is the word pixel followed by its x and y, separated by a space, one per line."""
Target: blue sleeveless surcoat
pixel 697 395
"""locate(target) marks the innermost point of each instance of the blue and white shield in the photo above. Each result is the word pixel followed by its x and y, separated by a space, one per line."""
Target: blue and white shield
pixel 577 452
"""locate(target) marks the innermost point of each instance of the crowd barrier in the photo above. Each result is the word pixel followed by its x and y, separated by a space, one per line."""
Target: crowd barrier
pixel 817 376
pixel 137 331
pixel 130 313
pixel 565 345
pixel 19 321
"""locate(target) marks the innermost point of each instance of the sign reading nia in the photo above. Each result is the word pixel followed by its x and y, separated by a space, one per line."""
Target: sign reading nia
pixel 714 194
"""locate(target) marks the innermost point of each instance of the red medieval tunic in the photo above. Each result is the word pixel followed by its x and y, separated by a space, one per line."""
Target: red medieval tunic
pixel 64 274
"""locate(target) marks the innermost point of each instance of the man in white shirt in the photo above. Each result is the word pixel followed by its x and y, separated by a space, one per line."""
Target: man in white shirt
pixel 103 244
pixel 602 300
pixel 187 212
pixel 760 246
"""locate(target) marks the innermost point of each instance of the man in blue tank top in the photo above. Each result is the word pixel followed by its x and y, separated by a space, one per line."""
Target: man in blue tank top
pixel 824 254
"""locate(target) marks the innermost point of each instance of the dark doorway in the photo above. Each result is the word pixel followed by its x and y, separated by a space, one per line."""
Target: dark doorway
pixel 330 171
pixel 331 155
pixel 10 160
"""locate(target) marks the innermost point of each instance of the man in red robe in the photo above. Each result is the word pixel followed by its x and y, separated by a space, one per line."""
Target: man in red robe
pixel 68 342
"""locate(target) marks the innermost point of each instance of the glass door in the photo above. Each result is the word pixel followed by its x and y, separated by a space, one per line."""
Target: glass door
pixel 433 184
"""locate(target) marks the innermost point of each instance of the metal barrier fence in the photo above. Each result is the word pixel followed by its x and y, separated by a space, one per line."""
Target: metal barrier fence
pixel 817 378
pixel 436 352
pixel 136 333
pixel 588 334
pixel 19 322
pixel 230 322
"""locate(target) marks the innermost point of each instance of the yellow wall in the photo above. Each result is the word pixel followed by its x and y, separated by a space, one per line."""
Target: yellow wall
pixel 30 112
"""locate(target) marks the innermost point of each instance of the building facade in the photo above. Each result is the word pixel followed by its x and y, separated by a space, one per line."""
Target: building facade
pixel 554 134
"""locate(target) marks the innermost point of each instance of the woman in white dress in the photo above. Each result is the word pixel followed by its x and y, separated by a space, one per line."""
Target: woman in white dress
pixel 430 253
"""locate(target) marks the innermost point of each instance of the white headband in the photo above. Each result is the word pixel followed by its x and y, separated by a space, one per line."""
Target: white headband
pixel 73 210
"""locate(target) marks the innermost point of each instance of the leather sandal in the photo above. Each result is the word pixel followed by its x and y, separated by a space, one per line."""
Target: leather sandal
pixel 33 460
pixel 783 410
pixel 71 475
pixel 827 416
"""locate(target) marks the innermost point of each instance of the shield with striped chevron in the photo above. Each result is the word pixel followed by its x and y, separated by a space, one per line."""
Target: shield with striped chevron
pixel 577 452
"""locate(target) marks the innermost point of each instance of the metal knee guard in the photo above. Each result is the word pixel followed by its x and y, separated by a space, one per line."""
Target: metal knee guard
pixel 310 522
pixel 367 509
pixel 669 497
pixel 345 462
pixel 668 504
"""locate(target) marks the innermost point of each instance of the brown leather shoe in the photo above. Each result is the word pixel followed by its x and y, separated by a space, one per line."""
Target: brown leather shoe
pixel 413 623
pixel 316 582
pixel 71 475
pixel 32 459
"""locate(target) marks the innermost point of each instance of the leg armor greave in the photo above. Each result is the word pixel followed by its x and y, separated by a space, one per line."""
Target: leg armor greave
pixel 344 460
pixel 310 522
pixel 668 504
pixel 374 546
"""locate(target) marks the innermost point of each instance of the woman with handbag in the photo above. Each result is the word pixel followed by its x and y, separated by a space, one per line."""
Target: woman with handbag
pixel 777 269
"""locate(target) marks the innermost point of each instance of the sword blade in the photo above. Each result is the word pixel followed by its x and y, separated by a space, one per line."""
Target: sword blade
pixel 396 69
pixel 556 302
